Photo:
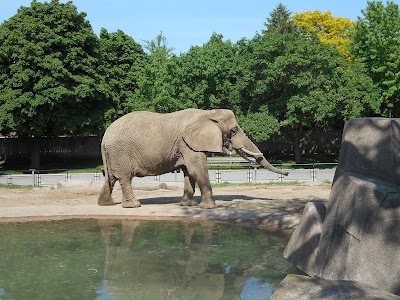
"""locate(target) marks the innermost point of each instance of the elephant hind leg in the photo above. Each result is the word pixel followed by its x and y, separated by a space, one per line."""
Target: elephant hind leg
pixel 105 197
pixel 188 190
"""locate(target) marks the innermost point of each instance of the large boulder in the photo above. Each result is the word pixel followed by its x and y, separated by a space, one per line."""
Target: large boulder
pixel 296 287
pixel 356 235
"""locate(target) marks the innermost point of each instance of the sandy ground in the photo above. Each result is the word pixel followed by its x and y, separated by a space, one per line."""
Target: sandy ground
pixel 272 207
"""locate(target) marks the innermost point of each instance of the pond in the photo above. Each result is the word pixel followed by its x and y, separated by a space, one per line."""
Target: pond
pixel 138 259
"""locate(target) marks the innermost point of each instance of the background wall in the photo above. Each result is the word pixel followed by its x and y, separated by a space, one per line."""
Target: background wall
pixel 316 142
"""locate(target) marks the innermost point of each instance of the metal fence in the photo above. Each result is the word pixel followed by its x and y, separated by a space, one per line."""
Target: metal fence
pixel 219 172
pixel 68 147
pixel 51 147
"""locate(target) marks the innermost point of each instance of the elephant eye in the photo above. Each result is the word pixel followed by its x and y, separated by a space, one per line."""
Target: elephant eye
pixel 234 130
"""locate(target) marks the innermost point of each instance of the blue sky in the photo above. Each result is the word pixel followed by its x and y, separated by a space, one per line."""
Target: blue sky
pixel 190 22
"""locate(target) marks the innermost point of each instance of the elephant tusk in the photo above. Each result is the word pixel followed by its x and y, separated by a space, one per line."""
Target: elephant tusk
pixel 255 155
pixel 245 157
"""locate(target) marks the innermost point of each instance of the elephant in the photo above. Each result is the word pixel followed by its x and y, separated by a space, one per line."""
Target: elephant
pixel 144 143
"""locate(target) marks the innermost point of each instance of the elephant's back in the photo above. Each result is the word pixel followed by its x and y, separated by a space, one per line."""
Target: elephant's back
pixel 144 125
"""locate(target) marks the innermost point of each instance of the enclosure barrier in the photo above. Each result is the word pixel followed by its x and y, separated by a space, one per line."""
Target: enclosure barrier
pixel 231 171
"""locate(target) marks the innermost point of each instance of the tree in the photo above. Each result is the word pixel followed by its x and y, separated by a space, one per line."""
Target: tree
pixel 330 30
pixel 49 84
pixel 206 73
pixel 280 20
pixel 260 126
pixel 305 84
pixel 375 42
pixel 159 45
pixel 256 120
pixel 122 63
pixel 155 90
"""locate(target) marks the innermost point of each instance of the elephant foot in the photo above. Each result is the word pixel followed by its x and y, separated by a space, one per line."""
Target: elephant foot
pixel 208 204
pixel 132 203
pixel 105 201
pixel 188 202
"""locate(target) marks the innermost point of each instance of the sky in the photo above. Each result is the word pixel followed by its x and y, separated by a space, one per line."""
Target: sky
pixel 187 23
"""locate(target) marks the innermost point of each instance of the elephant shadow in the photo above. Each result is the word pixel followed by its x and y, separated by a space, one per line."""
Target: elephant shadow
pixel 174 199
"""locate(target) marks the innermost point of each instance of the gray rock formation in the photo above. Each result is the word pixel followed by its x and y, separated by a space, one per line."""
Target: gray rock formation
pixel 296 287
pixel 356 235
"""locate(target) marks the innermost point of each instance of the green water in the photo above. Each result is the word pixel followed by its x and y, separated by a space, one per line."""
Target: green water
pixel 128 259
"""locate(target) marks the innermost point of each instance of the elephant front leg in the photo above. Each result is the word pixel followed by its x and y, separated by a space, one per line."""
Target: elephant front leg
pixel 199 171
pixel 203 180
pixel 128 198
pixel 188 190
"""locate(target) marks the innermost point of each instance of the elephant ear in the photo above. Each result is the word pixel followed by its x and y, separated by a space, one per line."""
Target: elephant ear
pixel 203 134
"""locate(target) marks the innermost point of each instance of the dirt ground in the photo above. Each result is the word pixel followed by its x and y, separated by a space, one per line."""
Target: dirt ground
pixel 274 207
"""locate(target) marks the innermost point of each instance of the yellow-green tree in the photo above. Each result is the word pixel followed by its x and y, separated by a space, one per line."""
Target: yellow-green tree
pixel 329 29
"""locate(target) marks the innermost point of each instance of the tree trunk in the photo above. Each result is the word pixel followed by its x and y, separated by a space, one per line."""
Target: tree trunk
pixel 297 147
pixel 35 153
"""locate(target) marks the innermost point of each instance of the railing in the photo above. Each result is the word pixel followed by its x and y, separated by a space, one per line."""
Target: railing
pixel 254 173
pixel 220 171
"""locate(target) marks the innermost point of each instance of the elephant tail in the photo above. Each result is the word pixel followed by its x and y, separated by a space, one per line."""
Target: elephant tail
pixel 105 171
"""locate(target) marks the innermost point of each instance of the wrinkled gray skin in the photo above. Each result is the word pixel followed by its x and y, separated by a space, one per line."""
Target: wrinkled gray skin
pixel 147 144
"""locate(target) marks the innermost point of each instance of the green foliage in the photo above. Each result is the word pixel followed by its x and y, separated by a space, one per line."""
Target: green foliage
pixel 155 91
pixel 207 75
pixel 49 84
pixel 259 125
pixel 376 43
pixel 357 95
pixel 122 63
pixel 280 20
pixel 306 83
pixel 57 77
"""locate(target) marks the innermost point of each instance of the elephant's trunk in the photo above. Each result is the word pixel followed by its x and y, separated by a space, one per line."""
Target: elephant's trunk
pixel 249 148
pixel 265 163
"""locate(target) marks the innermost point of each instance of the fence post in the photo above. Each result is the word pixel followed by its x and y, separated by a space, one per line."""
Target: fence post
pixel 9 179
pixel 218 175
pixel 313 172
pixel 38 179
pixel 33 176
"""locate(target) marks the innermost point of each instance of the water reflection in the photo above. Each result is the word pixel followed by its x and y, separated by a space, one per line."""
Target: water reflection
pixel 130 259
pixel 103 292
pixel 254 289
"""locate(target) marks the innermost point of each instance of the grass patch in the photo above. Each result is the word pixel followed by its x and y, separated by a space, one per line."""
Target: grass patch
pixel 325 162
pixel 273 183
pixel 14 186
